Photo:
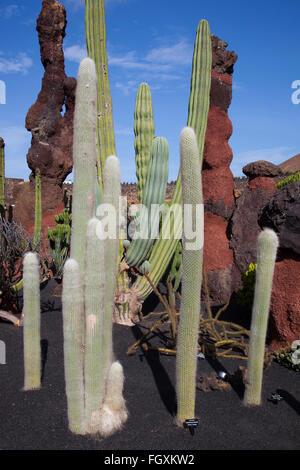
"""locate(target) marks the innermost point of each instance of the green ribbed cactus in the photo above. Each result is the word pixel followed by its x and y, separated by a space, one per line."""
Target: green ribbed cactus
pixel 95 34
pixel 144 132
pixel 197 119
pixel 266 257
pixel 2 178
pixel 163 249
pixel 89 281
pixel 59 241
pixel 154 193
pixel 192 261
pixel 38 208
pixel 32 320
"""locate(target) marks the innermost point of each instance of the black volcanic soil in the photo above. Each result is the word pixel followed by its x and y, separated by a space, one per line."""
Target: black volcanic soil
pixel 38 419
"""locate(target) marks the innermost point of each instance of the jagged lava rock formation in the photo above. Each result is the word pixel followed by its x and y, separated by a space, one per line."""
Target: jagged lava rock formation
pixel 217 178
pixel 52 132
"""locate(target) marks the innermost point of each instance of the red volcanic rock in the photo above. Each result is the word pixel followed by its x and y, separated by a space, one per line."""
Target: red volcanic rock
pixel 217 152
pixel 217 254
pixel 218 259
pixel 52 132
pixel 222 60
pixel 262 182
pixel 217 178
pixel 284 320
pixel 218 188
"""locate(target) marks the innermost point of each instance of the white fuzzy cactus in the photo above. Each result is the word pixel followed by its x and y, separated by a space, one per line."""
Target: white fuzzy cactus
pixel 32 321
pixel 266 257
pixel 89 282
pixel 192 260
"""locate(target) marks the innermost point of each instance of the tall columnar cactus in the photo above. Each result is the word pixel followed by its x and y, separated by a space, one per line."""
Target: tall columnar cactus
pixel 197 119
pixel 84 158
pixel 2 178
pixel 144 133
pixel 32 340
pixel 95 33
pixel 266 257
pixel 192 260
pixel 38 208
pixel 154 193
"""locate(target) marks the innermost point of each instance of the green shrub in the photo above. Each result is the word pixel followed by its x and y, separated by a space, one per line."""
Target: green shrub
pixel 245 295
pixel 289 357
pixel 288 180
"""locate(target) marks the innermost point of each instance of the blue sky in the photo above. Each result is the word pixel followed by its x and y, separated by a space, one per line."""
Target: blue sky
pixel 153 42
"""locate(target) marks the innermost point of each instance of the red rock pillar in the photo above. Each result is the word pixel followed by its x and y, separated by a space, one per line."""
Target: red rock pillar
pixel 52 131
pixel 218 181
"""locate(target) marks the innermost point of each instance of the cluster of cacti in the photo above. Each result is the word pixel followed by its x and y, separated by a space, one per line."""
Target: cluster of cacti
pixel 32 320
pixel 197 119
pixel 59 240
pixel 266 257
pixel 94 382
pixel 161 252
pixel 192 261
pixel 153 196
pixel 2 178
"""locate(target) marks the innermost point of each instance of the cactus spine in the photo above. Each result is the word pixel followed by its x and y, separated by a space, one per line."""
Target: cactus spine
pixel 197 118
pixel 144 133
pixel 32 344
pixel 154 193
pixel 95 33
pixel 2 178
pixel 192 260
pixel 266 257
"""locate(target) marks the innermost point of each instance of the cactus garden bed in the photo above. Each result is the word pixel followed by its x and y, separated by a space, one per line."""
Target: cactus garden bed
pixel 38 419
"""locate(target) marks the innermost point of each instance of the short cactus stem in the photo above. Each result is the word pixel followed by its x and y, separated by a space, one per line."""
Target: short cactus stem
pixel 266 257
pixel 73 311
pixel 32 321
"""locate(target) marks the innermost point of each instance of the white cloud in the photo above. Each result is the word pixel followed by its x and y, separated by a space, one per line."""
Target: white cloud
pixel 9 11
pixel 160 64
pixel 19 64
pixel 75 53
pixel 180 53
pixel 17 142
